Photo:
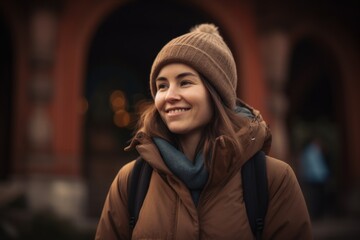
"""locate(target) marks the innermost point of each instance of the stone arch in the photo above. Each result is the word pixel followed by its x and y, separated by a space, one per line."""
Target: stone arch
pixel 315 98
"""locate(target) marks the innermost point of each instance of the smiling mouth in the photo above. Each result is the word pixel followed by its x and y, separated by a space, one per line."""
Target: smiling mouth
pixel 177 110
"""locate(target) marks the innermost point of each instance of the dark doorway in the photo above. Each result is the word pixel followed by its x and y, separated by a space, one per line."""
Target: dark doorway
pixel 315 124
pixel 116 88
pixel 6 89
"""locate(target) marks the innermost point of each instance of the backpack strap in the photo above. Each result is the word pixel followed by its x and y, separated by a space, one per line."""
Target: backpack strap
pixel 138 186
pixel 255 188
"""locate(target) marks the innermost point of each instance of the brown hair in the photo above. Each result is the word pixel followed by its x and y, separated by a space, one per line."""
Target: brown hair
pixel 224 122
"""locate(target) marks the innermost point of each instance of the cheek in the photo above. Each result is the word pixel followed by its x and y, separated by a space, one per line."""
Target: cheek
pixel 159 105
pixel 157 101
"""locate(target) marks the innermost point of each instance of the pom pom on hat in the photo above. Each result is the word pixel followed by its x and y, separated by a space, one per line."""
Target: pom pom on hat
pixel 203 49
pixel 206 28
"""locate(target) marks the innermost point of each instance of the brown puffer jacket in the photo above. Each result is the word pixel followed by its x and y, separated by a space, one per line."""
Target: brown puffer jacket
pixel 168 211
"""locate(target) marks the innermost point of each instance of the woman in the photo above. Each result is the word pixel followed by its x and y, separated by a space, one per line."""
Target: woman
pixel 196 137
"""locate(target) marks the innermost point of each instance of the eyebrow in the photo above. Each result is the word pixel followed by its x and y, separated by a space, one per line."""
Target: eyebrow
pixel 179 76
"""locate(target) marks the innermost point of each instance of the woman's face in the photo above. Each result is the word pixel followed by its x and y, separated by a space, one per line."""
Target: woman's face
pixel 182 99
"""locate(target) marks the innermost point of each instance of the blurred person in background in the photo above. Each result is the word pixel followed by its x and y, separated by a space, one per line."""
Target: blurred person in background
pixel 196 137
pixel 314 176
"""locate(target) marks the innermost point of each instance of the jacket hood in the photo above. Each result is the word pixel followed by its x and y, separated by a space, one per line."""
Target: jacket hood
pixel 256 136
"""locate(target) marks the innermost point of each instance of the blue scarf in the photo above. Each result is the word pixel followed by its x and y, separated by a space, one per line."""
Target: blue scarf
pixel 193 174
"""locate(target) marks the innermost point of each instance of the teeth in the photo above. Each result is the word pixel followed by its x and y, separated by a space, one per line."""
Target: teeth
pixel 177 110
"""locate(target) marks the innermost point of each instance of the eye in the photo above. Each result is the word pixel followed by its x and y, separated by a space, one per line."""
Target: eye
pixel 184 83
pixel 161 86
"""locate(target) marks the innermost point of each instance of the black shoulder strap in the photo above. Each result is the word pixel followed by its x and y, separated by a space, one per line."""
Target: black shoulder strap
pixel 138 186
pixel 255 187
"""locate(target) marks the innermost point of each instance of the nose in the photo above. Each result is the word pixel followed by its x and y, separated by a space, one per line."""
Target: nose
pixel 172 94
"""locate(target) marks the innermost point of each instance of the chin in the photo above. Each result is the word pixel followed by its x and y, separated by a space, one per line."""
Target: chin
pixel 177 130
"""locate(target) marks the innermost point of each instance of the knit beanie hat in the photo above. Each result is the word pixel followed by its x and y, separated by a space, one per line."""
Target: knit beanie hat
pixel 204 50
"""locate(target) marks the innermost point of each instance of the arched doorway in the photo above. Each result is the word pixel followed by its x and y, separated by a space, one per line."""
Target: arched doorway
pixel 116 87
pixel 315 124
pixel 6 89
